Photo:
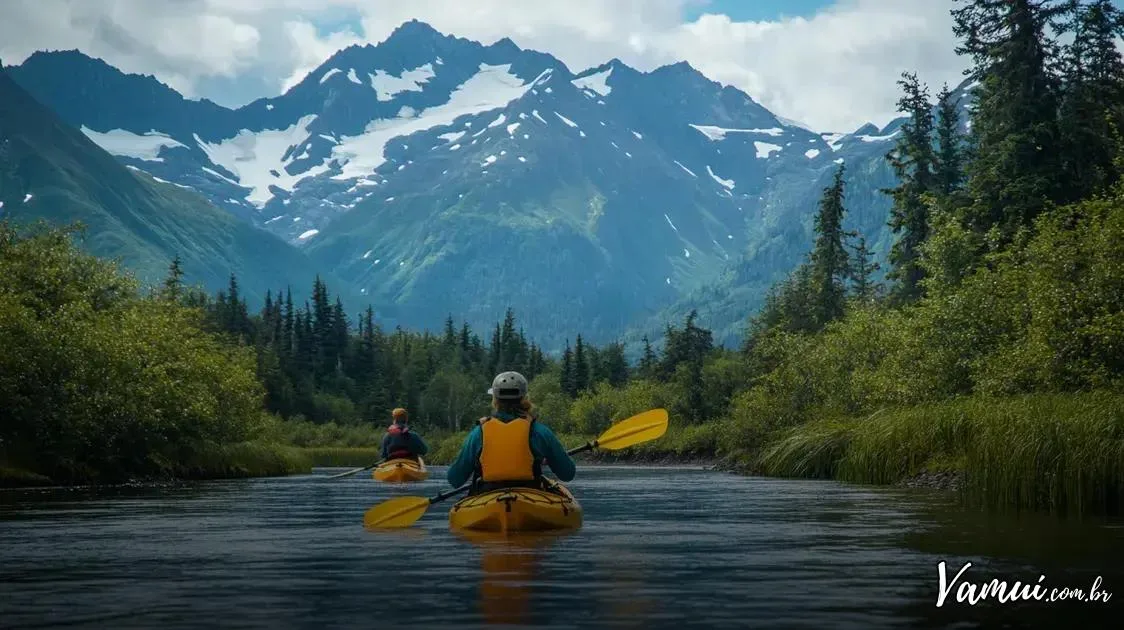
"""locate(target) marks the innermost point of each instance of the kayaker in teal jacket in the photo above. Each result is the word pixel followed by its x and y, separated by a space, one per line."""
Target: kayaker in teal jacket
pixel 509 447
pixel 400 442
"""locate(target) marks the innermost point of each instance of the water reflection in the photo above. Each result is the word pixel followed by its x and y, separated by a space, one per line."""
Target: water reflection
pixel 625 599
pixel 510 565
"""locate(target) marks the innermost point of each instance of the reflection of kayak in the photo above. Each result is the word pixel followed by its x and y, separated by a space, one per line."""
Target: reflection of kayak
pixel 517 510
pixel 401 470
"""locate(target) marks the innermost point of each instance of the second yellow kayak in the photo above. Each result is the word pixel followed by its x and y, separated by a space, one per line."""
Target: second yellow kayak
pixel 512 510
pixel 400 470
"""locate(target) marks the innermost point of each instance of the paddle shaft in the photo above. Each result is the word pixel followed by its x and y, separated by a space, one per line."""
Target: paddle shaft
pixel 357 470
pixel 588 446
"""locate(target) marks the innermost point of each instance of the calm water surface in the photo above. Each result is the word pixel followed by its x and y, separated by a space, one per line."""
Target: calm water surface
pixel 661 548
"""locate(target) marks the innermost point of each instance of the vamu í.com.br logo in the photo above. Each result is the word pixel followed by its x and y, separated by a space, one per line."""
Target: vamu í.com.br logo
pixel 961 589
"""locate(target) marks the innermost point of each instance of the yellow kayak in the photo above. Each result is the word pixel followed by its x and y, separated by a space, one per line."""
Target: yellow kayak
pixel 517 510
pixel 400 470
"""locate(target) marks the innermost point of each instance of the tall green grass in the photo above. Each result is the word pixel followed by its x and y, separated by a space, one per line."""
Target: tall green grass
pixel 239 459
pixel 1062 453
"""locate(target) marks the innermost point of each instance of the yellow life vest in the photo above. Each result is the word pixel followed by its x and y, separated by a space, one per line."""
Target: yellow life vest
pixel 505 454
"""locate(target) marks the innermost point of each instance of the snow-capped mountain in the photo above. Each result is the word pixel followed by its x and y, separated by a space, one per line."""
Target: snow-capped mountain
pixel 446 176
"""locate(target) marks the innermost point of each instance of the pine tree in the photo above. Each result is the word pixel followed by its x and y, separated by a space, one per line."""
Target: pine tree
pixel 648 361
pixel 615 365
pixel 1014 171
pixel 287 341
pixel 340 334
pixel 495 352
pixel 566 377
pixel 863 268
pixel 829 256
pixel 450 339
pixel 173 283
pixel 912 160
pixel 581 367
pixel 1092 108
pixel 950 153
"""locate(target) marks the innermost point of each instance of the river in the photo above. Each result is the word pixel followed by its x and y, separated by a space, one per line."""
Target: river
pixel 660 548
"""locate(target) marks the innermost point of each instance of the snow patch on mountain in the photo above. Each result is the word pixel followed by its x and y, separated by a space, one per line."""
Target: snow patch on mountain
pixel 452 136
pixel 490 88
pixel 884 138
pixel 128 144
pixel 354 78
pixel 329 74
pixel 833 140
pixel 719 133
pixel 387 86
pixel 566 120
pixel 308 234
pixel 794 123
pixel 535 113
pixel 219 175
pixel 595 82
pixel 765 149
pixel 811 153
pixel 511 128
pixel 727 183
pixel 685 168
pixel 670 223
pixel 256 158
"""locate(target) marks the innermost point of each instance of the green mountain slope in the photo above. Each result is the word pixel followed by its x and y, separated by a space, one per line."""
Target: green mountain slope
pixel 51 171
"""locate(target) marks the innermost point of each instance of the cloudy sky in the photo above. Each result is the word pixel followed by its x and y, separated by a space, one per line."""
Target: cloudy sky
pixel 831 64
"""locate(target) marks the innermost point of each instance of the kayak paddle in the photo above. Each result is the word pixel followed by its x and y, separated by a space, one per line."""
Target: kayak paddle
pixel 405 511
pixel 357 470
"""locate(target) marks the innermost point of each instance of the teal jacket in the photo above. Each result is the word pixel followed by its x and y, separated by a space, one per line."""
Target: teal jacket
pixel 544 445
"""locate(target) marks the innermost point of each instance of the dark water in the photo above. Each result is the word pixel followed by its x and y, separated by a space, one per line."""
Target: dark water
pixel 661 548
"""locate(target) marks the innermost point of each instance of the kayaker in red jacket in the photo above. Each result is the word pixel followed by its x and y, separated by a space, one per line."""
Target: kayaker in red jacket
pixel 509 447
pixel 400 442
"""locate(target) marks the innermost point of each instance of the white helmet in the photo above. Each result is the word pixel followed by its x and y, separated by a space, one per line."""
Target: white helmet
pixel 509 386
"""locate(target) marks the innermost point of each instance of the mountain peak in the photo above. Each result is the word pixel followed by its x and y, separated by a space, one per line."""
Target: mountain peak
pixel 506 45
pixel 414 30
pixel 682 70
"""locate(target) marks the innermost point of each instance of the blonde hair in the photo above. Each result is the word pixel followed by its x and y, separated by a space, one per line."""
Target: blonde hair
pixel 399 414
pixel 523 407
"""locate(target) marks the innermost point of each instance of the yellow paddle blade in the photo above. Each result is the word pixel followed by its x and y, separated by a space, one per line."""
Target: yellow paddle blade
pixel 398 512
pixel 643 427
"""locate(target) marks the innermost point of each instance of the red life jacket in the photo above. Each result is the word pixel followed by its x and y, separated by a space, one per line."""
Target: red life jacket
pixel 399 446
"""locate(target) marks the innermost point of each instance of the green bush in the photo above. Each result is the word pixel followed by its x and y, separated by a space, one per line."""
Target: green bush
pixel 98 383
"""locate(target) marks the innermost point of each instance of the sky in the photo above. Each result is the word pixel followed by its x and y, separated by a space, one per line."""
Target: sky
pixel 830 64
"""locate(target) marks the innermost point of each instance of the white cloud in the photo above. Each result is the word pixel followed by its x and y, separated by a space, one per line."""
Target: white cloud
pixel 834 70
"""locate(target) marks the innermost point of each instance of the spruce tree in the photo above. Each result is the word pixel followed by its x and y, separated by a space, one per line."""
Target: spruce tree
pixel 1014 172
pixel 863 268
pixel 950 153
pixel 173 282
pixel 566 377
pixel 648 361
pixel 581 367
pixel 912 159
pixel 450 338
pixel 1092 108
pixel 829 256
pixel 615 365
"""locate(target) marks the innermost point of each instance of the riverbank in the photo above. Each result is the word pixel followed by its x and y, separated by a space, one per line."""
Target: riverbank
pixel 212 461
pixel 1058 453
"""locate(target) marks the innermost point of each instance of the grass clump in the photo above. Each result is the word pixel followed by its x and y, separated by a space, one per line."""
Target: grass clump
pixel 1061 453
